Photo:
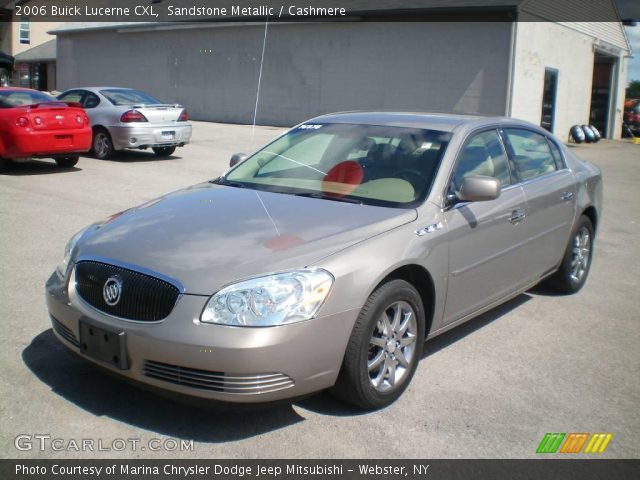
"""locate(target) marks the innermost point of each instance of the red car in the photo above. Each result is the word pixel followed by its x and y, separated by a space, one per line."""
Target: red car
pixel 632 115
pixel 35 125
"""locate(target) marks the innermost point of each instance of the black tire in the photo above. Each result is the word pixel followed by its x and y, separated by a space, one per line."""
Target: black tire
pixel 355 383
pixel 4 77
pixel 567 279
pixel 5 164
pixel 102 145
pixel 67 162
pixel 163 151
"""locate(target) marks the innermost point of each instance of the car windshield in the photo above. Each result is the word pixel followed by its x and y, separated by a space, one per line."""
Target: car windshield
pixel 15 98
pixel 371 164
pixel 125 96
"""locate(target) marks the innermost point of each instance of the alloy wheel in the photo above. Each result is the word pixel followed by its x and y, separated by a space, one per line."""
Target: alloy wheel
pixel 581 254
pixel 392 346
pixel 101 144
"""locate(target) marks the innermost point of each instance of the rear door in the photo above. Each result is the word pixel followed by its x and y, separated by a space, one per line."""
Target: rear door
pixel 549 189
pixel 485 238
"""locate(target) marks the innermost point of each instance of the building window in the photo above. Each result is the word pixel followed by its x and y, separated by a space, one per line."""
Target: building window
pixel 25 31
pixel 549 93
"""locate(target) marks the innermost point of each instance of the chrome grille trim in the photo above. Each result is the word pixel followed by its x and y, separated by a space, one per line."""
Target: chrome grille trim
pixel 233 384
pixel 144 297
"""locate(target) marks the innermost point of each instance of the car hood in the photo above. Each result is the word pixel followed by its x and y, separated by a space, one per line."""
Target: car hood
pixel 209 235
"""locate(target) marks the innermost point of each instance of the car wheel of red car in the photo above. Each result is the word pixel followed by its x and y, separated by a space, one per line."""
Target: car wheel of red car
pixel 102 144
pixel 67 162
pixel 163 151
pixel 5 163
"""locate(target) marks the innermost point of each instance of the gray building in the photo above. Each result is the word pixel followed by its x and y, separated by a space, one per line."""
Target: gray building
pixel 549 72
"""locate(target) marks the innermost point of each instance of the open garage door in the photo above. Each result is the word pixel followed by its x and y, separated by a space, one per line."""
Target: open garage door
pixel 601 92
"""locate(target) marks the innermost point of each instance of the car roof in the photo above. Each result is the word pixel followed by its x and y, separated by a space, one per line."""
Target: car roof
pixel 97 89
pixel 431 121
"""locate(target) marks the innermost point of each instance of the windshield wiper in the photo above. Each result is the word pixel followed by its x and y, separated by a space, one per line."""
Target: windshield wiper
pixel 324 196
pixel 225 182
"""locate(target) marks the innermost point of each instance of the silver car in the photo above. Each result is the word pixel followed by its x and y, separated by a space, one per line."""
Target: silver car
pixel 326 258
pixel 124 118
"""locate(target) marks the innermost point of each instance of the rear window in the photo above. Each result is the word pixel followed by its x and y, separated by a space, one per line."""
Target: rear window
pixel 16 98
pixel 122 96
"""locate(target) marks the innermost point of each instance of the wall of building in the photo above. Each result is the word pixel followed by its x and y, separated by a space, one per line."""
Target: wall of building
pixel 309 69
pixel 545 44
pixel 5 37
pixel 11 40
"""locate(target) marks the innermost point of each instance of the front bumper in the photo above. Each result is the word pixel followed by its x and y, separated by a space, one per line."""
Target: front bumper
pixel 232 364
pixel 152 135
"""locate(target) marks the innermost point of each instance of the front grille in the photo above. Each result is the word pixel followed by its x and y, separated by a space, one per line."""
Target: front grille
pixel 64 332
pixel 142 297
pixel 218 381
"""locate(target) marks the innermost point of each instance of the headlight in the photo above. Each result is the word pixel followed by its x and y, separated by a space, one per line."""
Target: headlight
pixel 64 265
pixel 272 300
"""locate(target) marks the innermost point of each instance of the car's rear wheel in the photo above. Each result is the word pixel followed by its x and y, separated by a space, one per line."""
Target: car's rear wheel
pixel 5 164
pixel 163 151
pixel 102 144
pixel 574 269
pixel 384 348
pixel 67 162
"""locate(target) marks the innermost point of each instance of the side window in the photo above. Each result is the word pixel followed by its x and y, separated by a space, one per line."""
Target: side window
pixel 91 100
pixel 557 156
pixel 531 153
pixel 72 96
pixel 483 155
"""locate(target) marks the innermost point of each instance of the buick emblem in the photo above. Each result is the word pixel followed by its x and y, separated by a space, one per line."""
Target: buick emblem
pixel 112 291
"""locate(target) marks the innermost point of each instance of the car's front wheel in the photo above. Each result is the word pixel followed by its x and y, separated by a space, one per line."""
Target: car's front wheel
pixel 574 269
pixel 384 348
pixel 102 144
pixel 163 151
pixel 67 162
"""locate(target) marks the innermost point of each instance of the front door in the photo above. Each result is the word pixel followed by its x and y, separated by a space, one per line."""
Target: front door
pixel 485 238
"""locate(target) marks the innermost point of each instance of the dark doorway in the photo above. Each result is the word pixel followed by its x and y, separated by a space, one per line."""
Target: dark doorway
pixel 601 92
pixel 549 98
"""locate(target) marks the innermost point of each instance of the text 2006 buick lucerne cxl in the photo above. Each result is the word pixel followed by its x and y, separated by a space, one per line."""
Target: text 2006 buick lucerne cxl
pixel 328 257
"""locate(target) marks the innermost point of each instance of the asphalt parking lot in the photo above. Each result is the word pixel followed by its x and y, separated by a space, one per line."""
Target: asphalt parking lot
pixel 490 388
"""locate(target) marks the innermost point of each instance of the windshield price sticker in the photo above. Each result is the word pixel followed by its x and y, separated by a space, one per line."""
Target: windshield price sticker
pixel 309 127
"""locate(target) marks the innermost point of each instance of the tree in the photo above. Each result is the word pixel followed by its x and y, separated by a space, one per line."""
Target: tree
pixel 633 90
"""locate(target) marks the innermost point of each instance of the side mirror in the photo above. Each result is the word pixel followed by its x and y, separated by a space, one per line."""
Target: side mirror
pixel 479 188
pixel 236 158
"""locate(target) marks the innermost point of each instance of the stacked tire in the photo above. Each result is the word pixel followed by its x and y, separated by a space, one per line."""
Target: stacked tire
pixel 584 134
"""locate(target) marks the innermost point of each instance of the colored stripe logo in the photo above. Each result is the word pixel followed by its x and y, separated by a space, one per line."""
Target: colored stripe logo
pixel 574 442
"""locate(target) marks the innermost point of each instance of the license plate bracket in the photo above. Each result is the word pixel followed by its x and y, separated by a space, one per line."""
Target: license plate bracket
pixel 107 346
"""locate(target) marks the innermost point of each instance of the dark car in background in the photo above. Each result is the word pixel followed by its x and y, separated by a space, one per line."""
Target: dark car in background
pixel 6 67
pixel 632 115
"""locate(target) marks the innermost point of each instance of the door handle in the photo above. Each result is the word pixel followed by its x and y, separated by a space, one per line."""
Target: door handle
pixel 566 196
pixel 517 216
